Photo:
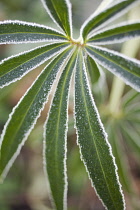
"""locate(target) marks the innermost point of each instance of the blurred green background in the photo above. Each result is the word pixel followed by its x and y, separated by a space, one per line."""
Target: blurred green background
pixel 25 187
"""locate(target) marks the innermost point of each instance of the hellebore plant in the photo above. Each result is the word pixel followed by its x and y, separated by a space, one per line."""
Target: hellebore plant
pixel 73 58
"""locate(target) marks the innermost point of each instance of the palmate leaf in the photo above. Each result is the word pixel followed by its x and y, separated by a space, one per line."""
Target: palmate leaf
pixel 15 67
pixel 26 112
pixel 126 68
pixel 95 149
pixel 60 12
pixel 15 32
pixel 116 34
pixel 105 16
pixel 55 138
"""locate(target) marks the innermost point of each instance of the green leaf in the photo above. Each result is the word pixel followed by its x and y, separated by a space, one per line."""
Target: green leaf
pixel 107 15
pixel 25 114
pixel 14 32
pixel 116 34
pixel 93 70
pixel 126 68
pixel 55 138
pixel 15 67
pixel 104 4
pixel 60 12
pixel 94 146
pixel 97 79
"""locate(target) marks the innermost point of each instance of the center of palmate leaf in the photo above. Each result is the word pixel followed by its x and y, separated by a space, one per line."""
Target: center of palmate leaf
pixel 78 42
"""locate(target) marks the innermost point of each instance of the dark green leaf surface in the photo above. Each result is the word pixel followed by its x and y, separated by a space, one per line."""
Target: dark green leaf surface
pixel 92 139
pixel 15 67
pixel 25 114
pixel 55 138
pixel 116 34
pixel 14 32
pixel 60 12
pixel 93 70
pixel 126 68
pixel 105 16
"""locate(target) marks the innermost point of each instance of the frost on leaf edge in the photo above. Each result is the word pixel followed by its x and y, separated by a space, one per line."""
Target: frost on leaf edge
pixel 105 137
